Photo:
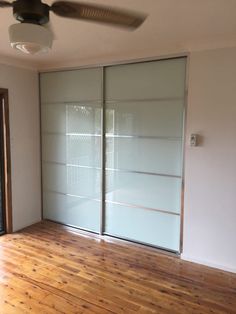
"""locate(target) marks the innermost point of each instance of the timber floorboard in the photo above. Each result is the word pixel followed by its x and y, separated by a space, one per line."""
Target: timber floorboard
pixel 49 268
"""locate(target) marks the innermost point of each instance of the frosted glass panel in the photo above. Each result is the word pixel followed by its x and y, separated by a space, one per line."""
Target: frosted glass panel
pixel 54 148
pixel 144 143
pixel 53 118
pixel 84 150
pixel 71 147
pixel 160 79
pixel 82 118
pixel 144 190
pixel 127 154
pixel 149 118
pixel 72 180
pixel 77 85
pixel 144 226
pixel 72 210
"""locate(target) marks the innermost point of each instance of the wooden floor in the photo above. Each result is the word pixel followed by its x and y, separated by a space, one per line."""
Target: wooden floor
pixel 48 268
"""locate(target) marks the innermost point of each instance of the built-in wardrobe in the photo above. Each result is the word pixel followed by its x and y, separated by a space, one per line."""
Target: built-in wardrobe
pixel 112 150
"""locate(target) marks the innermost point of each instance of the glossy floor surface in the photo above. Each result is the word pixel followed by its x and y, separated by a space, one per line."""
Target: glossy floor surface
pixel 48 268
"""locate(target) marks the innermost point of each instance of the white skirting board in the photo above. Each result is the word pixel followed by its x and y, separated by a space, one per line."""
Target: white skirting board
pixel 209 264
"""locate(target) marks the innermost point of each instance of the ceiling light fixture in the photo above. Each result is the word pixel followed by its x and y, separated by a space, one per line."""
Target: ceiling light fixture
pixel 30 38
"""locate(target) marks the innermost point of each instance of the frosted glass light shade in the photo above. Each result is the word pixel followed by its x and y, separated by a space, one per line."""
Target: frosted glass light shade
pixel 30 38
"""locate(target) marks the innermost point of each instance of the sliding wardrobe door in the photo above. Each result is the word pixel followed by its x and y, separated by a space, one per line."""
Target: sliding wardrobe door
pixel 144 139
pixel 71 147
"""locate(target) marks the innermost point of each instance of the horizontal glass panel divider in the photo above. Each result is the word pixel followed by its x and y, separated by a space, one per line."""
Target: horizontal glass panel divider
pixel 115 136
pixel 145 100
pixel 108 101
pixel 113 169
pixel 84 134
pixel 72 195
pixel 170 138
pixel 142 207
pixel 119 237
pixel 70 103
pixel 72 134
pixel 70 165
pixel 144 172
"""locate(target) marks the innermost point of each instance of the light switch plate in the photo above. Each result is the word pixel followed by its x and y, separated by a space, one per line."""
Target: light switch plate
pixel 193 140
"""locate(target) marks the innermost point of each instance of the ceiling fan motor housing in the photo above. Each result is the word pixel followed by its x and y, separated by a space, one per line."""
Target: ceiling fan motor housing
pixel 31 11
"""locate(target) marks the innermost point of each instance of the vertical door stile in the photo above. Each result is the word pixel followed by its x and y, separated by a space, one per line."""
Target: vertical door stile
pixel 103 154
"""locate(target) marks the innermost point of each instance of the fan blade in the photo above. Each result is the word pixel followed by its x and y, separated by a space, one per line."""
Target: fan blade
pixel 100 14
pixel 5 4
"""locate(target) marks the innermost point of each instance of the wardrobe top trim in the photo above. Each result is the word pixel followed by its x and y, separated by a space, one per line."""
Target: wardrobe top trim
pixel 117 63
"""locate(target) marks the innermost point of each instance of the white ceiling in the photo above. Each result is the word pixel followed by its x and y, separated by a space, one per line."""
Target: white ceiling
pixel 172 26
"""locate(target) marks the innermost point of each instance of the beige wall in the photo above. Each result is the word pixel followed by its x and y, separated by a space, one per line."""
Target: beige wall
pixel 25 143
pixel 210 172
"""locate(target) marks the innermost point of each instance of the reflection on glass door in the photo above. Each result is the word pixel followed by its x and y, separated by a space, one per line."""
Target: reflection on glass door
pixel 144 128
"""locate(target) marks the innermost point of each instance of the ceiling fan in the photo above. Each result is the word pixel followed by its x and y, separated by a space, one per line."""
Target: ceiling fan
pixel 30 35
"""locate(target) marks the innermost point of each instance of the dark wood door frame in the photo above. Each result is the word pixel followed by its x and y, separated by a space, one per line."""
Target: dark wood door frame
pixel 6 180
